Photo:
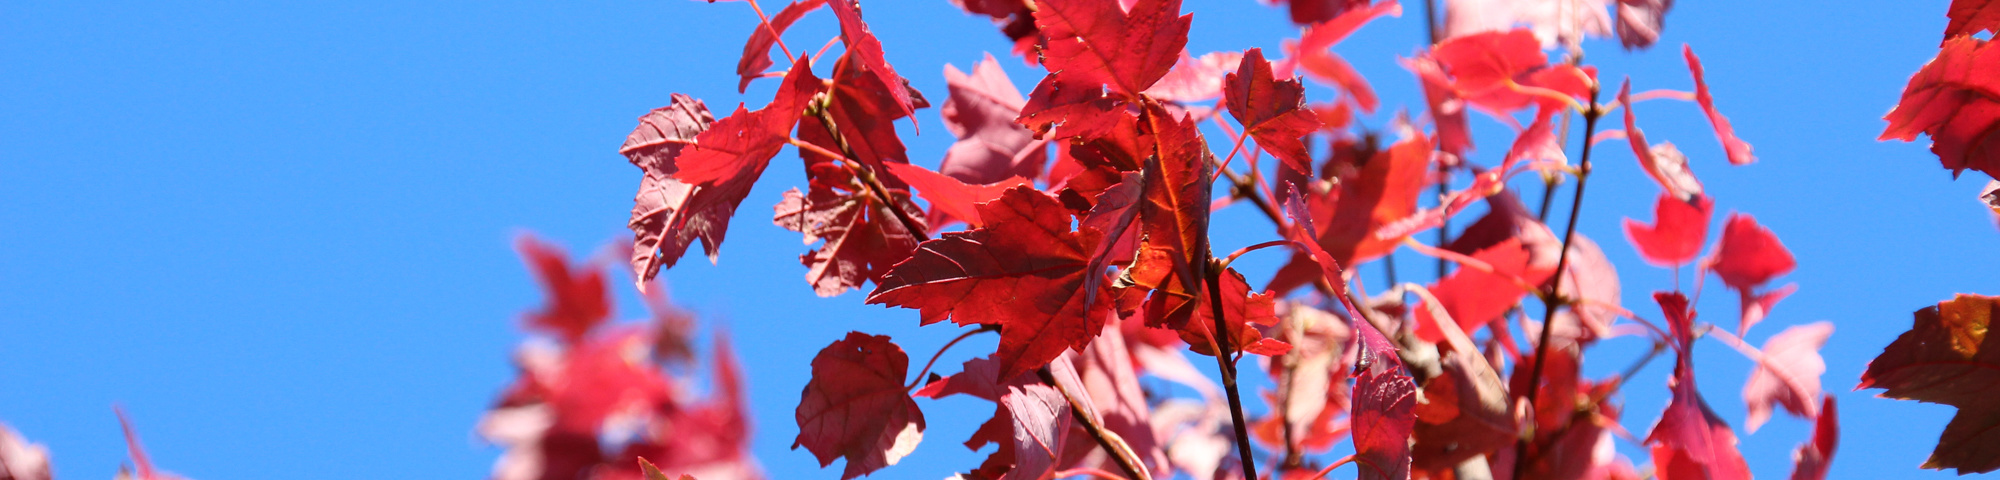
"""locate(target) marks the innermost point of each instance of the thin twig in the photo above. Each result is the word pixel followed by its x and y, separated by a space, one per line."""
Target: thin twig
pixel 1229 373
pixel 1552 297
pixel 919 381
pixel 863 173
pixel 1115 446
pixel 775 36
pixel 1329 468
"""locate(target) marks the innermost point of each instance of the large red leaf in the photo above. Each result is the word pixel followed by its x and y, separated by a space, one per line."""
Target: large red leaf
pixel 757 50
pixel 1948 358
pixel 1969 17
pixel 1271 111
pixel 1789 374
pixel 1956 100
pixel 1098 43
pixel 21 460
pixel 1486 61
pixel 1737 150
pixel 1815 457
pixel 862 239
pixel 1749 254
pixel 865 48
pixel 1024 271
pixel 855 406
pixel 981 113
pixel 1691 442
pixel 1679 229
pixel 1385 400
pixel 578 301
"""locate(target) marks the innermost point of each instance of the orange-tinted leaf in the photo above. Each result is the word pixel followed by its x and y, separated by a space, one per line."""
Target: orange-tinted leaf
pixel 862 241
pixel 1098 43
pixel 1789 374
pixel 1173 219
pixel 757 50
pixel 1677 233
pixel 855 406
pixel 1814 457
pixel 578 301
pixel 1947 357
pixel 1385 400
pixel 1270 110
pixel 1969 17
pixel 1749 255
pixel 1023 271
pixel 1956 100
pixel 863 46
pixel 1737 150
pixel 981 112
pixel 1243 312
pixel 1691 442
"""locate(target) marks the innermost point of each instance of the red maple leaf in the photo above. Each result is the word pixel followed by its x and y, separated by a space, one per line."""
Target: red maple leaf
pixel 865 48
pixel 1691 442
pixel 1474 298
pixel 981 112
pixel 855 406
pixel 1956 100
pixel 862 240
pixel 1737 150
pixel 1679 229
pixel 1815 457
pixel 1385 401
pixel 1097 43
pixel 757 49
pixel 861 112
pixel 1024 271
pixel 1969 17
pixel 1315 56
pixel 1383 189
pixel 1948 358
pixel 578 301
pixel 1270 110
pixel 1749 254
pixel 951 199
pixel 1243 313
pixel 1788 375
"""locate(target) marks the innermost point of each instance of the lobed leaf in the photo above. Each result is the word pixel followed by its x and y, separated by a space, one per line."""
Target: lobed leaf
pixel 855 406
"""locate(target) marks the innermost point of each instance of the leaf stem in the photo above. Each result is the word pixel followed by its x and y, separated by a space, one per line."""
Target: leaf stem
pixel 1329 468
pixel 775 36
pixel 919 381
pixel 1228 368
pixel 1240 251
pixel 862 172
pixel 1552 297
pixel 1114 445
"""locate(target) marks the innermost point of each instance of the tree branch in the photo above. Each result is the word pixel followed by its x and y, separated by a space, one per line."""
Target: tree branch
pixel 1552 297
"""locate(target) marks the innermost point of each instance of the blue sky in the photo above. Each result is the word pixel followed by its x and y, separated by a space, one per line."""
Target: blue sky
pixel 279 234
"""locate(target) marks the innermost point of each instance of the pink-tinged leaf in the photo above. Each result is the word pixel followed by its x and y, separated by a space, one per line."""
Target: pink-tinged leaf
pixel 1691 442
pixel 1097 43
pixel 577 301
pixel 1382 189
pixel 981 112
pixel 1969 17
pixel 757 50
pixel 863 46
pixel 1487 61
pixel 1042 421
pixel 1195 79
pixel 1956 100
pixel 1788 375
pixel 1111 380
pixel 1315 56
pixel 1663 162
pixel 1756 306
pixel 1385 400
pixel 1565 22
pixel 1447 109
pixel 661 136
pixel 862 241
pixel 712 437
pixel 1640 21
pixel 1311 380
pixel 1815 457
pixel 1749 255
pixel 1677 233
pixel 951 199
pixel 21 459
pixel 1024 271
pixel 1946 357
pixel 143 466
pixel 1736 148
pixel 1270 110
pixel 855 406
pixel 1082 110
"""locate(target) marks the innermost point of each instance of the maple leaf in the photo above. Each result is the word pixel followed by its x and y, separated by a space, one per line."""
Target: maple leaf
pixel 1947 358
pixel 951 199
pixel 710 438
pixel 1110 379
pixel 578 301
pixel 690 190
pixel 1956 100
pixel 1969 17
pixel 1690 442
pixel 1474 298
pixel 1788 375
pixel 1486 66
pixel 981 112
pixel 859 121
pixel 1270 110
pixel 1098 43
pixel 1749 254
pixel 1553 22
pixel 1243 310
pixel 1663 162
pixel 1385 401
pixel 1737 150
pixel 1315 56
pixel 1447 109
pixel 862 242
pixel 1195 79
pixel 865 48
pixel 1464 411
pixel 1311 380
pixel 1640 21
pixel 1676 235
pixel 1082 109
pixel 1173 215
pixel 1384 189
pixel 757 49
pixel 1041 418
pixel 855 406
pixel 20 459
pixel 143 466
pixel 1814 457
pixel 1023 271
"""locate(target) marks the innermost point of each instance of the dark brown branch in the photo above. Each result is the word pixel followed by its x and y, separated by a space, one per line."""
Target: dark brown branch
pixel 1115 447
pixel 1552 297
pixel 1228 368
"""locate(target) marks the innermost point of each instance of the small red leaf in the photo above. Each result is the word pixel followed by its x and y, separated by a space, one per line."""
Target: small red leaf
pixel 1789 374
pixel 1270 110
pixel 1749 255
pixel 1691 442
pixel 143 465
pixel 1385 400
pixel 855 407
pixel 1243 312
pixel 862 45
pixel 1640 21
pixel 949 198
pixel 578 301
pixel 1677 233
pixel 757 50
pixel 1954 100
pixel 1737 149
pixel 1816 455
pixel 1663 162
pixel 862 242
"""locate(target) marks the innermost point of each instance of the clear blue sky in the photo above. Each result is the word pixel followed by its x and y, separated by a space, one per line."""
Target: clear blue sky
pixel 279 234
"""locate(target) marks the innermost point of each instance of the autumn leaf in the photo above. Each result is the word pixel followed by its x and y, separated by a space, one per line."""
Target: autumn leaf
pixel 1098 43
pixel 1640 21
pixel 1737 150
pixel 1315 56
pixel 1305 12
pixel 1243 310
pixel 1815 457
pixel 1195 79
pixel 1690 442
pixel 1172 220
pixel 1041 418
pixel 980 112
pixel 1947 358
pixel 951 199
pixel 1024 271
pixel 1384 189
pixel 1788 375
pixel 1956 100
pixel 855 406
pixel 757 49
pixel 1565 22
pixel 1663 162
pixel 862 239
pixel 865 48
pixel 1385 400
pixel 1447 109
pixel 1969 17
pixel 1749 254
pixel 578 301
pixel 1677 233
pixel 860 111
pixel 1270 110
